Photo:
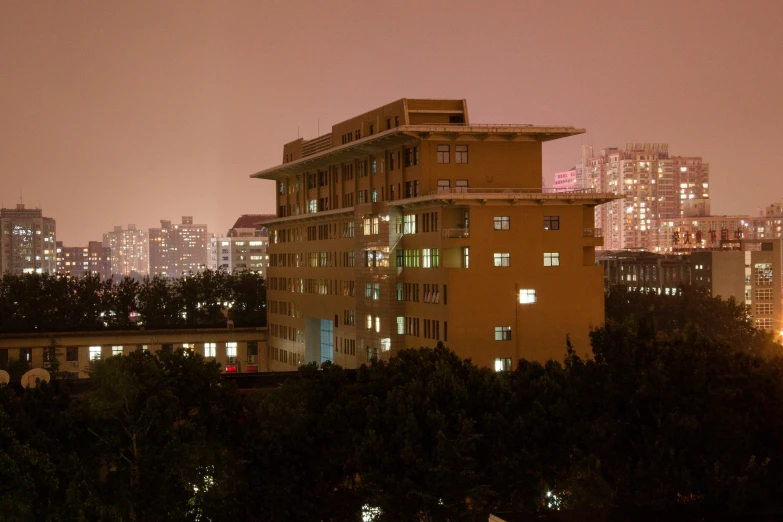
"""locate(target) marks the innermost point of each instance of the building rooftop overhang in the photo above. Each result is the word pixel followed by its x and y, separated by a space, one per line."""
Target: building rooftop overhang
pixel 409 134
pixel 540 196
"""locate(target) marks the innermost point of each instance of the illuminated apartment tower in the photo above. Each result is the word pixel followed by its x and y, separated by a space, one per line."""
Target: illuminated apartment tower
pixel 244 248
pixel 179 249
pixel 28 241
pixel 128 250
pixel 408 225
pixel 94 259
pixel 653 185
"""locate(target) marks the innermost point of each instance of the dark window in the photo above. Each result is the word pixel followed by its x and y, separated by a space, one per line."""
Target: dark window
pixel 167 348
pixel 460 153
pixel 551 222
pixel 26 354
pixel 388 123
pixel 252 347
pixel 72 354
pixel 396 121
pixel 443 153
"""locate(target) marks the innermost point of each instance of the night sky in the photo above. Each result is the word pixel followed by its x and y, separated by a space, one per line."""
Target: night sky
pixel 131 112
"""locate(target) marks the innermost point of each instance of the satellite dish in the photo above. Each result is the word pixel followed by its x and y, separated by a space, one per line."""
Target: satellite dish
pixel 4 377
pixel 31 378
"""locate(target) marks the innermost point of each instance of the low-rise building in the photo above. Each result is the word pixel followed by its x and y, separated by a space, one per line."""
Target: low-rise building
pixel 238 350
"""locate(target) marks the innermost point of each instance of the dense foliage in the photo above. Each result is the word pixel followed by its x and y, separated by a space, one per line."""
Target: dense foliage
pixel 675 415
pixel 58 303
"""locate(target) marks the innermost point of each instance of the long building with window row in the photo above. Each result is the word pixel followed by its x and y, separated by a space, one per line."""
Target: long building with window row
pixel 408 225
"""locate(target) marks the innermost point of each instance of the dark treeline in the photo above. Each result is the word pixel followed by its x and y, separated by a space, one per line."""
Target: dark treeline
pixel 56 303
pixel 666 413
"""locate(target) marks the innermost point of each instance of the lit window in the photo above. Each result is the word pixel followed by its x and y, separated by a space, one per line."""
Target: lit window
pixel 551 259
pixel 465 257
pixel 527 296
pixel 443 153
pixel 502 222
pixel 502 333
pixel 369 322
pixel 400 325
pixel 231 349
pixel 551 222
pixel 116 350
pixel 503 364
pixel 377 324
pixel 502 259
pixel 95 353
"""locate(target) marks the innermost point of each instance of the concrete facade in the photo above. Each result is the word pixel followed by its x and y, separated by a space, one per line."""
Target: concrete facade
pixel 408 225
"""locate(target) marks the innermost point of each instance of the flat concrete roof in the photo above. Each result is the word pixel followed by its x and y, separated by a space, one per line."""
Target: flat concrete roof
pixel 407 134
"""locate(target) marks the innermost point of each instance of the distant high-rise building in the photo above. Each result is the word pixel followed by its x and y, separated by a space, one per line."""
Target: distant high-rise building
pixel 80 261
pixel 28 241
pixel 655 186
pixel 178 249
pixel 245 245
pixel 566 180
pixel 128 250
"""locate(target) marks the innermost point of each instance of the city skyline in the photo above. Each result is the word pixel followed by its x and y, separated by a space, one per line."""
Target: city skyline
pixel 169 110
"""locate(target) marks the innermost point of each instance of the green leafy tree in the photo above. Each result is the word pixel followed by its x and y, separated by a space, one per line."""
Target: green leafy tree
pixel 159 423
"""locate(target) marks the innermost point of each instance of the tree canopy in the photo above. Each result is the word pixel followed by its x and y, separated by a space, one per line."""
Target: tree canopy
pixel 666 413
pixel 58 303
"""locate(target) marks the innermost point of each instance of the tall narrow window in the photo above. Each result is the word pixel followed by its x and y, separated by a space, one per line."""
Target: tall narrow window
pixel 465 257
pixel 460 154
pixel 231 349
pixel 209 349
pixel 443 153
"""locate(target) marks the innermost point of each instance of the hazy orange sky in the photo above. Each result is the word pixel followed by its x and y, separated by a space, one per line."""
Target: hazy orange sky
pixel 131 112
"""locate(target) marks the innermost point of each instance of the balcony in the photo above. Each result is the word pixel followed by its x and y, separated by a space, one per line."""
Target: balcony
pixel 593 232
pixel 593 236
pixel 456 233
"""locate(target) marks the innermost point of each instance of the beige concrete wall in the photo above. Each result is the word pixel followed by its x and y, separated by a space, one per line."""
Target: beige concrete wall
pixel 132 340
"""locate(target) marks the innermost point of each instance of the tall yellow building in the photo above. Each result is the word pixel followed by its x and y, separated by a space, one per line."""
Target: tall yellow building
pixel 407 225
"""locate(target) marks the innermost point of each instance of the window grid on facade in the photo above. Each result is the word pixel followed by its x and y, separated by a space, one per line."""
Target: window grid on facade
pixel 527 296
pixel 95 353
pixel 443 153
pixel 503 364
pixel 551 259
pixel 460 154
pixel 502 222
pixel 502 333
pixel 502 259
